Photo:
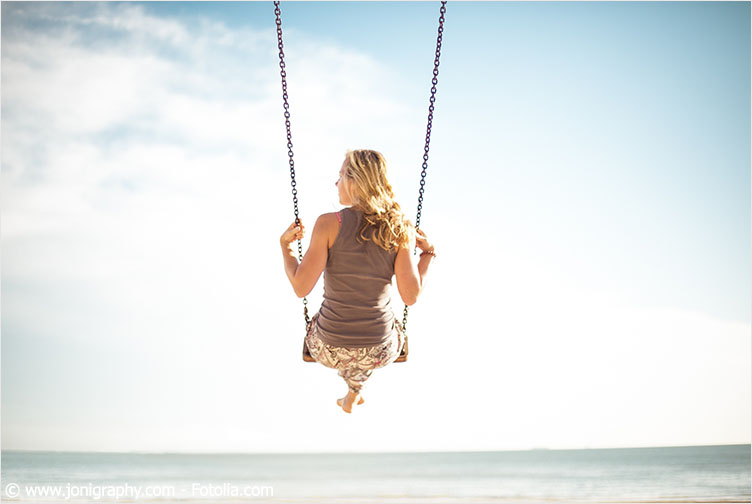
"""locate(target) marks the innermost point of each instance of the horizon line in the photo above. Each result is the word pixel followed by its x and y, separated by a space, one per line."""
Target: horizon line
pixel 369 452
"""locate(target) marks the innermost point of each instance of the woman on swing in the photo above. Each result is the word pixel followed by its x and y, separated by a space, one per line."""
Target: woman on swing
pixel 359 249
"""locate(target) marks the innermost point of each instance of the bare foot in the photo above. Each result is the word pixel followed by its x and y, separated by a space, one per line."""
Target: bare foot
pixel 346 402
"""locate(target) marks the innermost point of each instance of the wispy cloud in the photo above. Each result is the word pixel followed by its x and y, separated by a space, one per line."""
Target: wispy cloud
pixel 95 117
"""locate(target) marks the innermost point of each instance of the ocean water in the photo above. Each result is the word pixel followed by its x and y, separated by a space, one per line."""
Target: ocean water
pixel 674 474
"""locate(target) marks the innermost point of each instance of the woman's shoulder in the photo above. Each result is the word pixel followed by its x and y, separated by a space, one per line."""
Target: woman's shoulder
pixel 329 225
pixel 328 220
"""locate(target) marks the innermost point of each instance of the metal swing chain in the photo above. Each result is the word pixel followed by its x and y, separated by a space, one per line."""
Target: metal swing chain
pixel 282 72
pixel 432 100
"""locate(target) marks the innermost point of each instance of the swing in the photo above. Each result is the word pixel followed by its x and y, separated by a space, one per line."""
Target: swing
pixel 306 354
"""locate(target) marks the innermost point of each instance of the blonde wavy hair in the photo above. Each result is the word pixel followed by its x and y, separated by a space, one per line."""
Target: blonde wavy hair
pixel 383 219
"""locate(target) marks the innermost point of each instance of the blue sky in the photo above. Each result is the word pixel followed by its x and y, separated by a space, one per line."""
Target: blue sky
pixel 588 192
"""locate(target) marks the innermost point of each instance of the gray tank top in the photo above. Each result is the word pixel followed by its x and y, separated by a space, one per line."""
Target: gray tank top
pixel 356 310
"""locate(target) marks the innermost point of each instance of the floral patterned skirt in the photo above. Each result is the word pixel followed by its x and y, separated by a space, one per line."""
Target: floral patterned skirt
pixel 354 365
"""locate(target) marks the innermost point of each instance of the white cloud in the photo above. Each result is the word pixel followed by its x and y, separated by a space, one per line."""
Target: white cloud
pixel 92 116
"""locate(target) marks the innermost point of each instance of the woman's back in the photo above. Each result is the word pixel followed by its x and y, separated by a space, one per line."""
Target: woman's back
pixel 356 310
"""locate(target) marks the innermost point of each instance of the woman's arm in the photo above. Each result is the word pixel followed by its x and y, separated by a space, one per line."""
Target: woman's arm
pixel 303 276
pixel 411 276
